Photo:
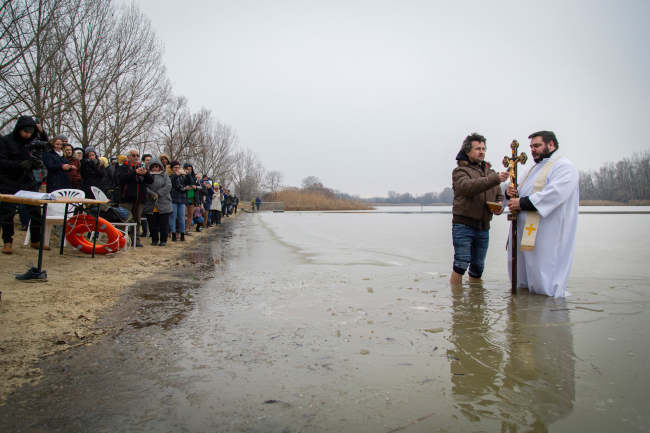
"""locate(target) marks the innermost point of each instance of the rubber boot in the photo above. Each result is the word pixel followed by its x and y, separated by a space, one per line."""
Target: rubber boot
pixel 174 237
pixel 182 237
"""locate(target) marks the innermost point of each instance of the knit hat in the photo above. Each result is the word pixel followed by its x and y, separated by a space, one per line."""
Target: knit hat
pixel 61 137
pixel 90 149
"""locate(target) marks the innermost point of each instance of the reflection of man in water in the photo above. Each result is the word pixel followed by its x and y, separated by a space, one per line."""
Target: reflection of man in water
pixel 547 226
pixel 474 183
pixel 520 378
pixel 476 357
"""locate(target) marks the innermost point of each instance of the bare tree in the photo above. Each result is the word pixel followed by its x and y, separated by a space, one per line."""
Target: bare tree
pixel 134 99
pixel 180 130
pixel 273 181
pixel 95 61
pixel 32 34
pixel 215 154
pixel 247 174
pixel 312 182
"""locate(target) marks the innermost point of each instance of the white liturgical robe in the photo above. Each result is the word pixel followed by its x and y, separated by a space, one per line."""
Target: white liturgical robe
pixel 545 269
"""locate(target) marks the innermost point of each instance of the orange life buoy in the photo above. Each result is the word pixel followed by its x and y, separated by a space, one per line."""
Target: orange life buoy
pixel 79 225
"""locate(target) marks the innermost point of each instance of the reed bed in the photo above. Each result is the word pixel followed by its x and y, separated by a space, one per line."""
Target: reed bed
pixel 302 200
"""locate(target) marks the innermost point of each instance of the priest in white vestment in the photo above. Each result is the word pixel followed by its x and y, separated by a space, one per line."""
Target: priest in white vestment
pixel 548 199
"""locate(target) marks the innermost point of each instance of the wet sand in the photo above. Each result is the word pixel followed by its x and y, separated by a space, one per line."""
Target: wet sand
pixel 38 320
pixel 276 340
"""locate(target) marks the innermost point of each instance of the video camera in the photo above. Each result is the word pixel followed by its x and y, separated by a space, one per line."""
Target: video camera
pixel 37 148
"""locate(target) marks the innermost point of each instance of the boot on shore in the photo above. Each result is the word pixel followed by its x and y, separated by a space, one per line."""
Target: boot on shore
pixel 36 245
pixel 6 249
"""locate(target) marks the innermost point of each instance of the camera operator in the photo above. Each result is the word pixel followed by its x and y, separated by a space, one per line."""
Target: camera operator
pixel 17 163
pixel 134 178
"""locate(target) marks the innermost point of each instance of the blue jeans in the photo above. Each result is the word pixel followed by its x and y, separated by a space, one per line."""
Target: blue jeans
pixel 178 214
pixel 470 249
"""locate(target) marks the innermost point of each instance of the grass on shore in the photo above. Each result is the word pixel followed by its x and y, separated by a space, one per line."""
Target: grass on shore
pixel 299 199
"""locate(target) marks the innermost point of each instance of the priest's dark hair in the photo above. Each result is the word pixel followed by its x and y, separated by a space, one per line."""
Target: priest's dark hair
pixel 467 142
pixel 547 136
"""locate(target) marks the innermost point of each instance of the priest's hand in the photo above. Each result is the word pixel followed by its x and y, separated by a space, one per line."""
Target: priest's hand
pixel 511 191
pixel 513 205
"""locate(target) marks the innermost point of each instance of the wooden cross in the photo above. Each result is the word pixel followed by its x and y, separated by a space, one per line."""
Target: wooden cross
pixel 510 162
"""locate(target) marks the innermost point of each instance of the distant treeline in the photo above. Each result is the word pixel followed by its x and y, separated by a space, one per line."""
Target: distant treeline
pixel 624 181
pixel 445 196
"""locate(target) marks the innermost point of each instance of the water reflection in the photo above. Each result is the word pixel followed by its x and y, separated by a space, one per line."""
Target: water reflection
pixel 511 364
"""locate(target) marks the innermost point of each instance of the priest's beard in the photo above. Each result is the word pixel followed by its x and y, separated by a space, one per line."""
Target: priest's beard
pixel 545 153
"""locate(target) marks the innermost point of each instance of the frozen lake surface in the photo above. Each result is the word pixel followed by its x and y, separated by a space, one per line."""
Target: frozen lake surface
pixel 345 322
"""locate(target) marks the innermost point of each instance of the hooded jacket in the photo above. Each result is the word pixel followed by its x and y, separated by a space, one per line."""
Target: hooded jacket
pixel 14 150
pixel 474 184
pixel 161 186
pixel 93 173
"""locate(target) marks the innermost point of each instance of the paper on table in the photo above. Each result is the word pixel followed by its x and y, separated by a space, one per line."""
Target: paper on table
pixel 35 194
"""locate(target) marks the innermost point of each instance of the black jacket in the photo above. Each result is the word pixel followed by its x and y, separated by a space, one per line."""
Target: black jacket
pixel 92 174
pixel 56 177
pixel 179 182
pixel 133 187
pixel 14 150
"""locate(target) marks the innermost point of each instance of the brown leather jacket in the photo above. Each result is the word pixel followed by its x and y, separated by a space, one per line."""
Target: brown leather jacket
pixel 474 184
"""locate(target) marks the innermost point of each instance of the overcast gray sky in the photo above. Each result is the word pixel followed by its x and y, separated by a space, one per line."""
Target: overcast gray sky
pixel 372 96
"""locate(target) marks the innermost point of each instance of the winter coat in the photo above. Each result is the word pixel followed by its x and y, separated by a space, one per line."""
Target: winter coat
pixel 93 173
pixel 132 185
pixel 74 176
pixel 57 178
pixel 178 192
pixel 474 184
pixel 14 150
pixel 161 186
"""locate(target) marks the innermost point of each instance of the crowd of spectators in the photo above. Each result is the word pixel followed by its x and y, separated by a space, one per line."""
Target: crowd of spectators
pixel 161 196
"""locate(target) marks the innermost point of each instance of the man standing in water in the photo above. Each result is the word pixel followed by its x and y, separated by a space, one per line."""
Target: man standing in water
pixel 548 201
pixel 474 184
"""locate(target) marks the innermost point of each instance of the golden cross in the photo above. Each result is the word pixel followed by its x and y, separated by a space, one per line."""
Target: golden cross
pixel 531 228
pixel 511 162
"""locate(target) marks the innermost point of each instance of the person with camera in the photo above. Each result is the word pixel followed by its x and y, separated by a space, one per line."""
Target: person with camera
pixel 134 178
pixel 17 163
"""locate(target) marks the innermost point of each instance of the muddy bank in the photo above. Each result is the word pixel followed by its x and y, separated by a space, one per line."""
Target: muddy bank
pixel 39 320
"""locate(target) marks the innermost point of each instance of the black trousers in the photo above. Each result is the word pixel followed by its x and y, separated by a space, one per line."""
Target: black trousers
pixel 158 226
pixel 7 213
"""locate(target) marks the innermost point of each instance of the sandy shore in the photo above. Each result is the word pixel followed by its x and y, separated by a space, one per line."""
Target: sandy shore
pixel 38 320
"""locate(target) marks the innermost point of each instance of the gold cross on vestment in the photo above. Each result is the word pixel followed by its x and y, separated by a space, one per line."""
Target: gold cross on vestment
pixel 531 228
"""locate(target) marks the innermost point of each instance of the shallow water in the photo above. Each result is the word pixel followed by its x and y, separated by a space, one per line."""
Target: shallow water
pixel 329 322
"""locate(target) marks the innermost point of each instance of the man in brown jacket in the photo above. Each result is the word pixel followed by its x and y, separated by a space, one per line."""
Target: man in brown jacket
pixel 474 184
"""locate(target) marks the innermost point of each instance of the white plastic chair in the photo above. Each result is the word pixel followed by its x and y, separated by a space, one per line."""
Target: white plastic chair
pixel 99 195
pixel 55 212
